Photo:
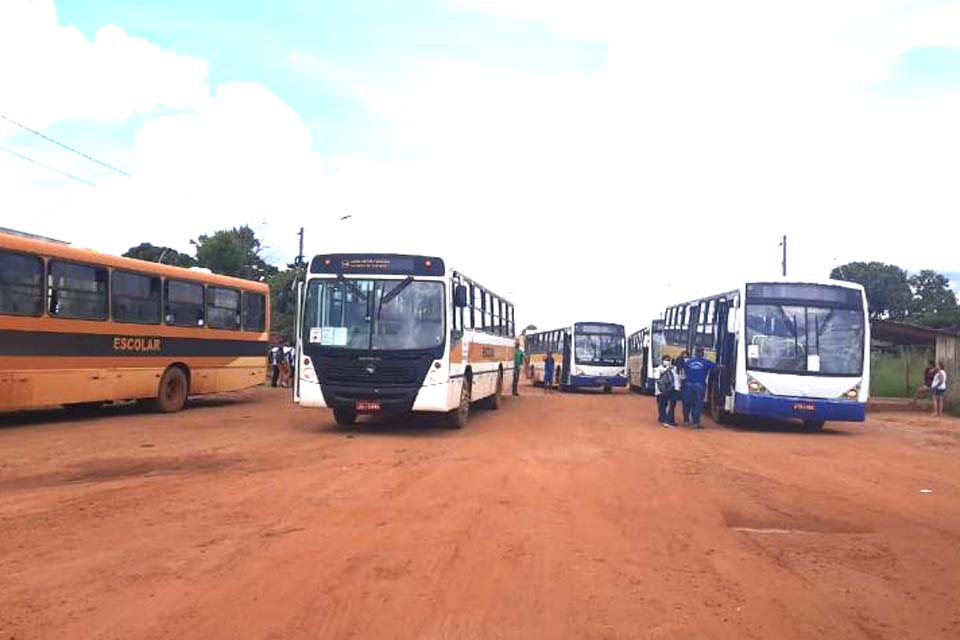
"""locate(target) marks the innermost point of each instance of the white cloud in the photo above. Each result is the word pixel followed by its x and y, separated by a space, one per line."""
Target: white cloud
pixel 53 73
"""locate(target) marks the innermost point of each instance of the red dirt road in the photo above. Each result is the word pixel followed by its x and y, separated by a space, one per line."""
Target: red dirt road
pixel 568 517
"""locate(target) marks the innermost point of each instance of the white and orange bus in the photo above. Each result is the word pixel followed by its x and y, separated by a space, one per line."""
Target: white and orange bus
pixel 386 333
pixel 81 328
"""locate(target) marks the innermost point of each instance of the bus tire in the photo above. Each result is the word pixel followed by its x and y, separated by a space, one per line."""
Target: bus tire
pixel 344 417
pixel 172 392
pixel 495 401
pixel 457 418
pixel 813 426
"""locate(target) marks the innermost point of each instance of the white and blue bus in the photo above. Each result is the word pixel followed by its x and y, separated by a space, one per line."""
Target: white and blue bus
pixel 644 350
pixel 393 334
pixel 587 355
pixel 785 350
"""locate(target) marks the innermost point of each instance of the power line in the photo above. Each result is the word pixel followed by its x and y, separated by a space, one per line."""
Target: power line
pixel 67 147
pixel 46 166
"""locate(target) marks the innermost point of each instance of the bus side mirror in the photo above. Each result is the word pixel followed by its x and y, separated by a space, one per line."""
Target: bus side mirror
pixel 460 296
pixel 283 300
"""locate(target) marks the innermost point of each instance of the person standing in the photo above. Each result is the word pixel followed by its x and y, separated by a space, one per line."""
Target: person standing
pixel 517 367
pixel 927 385
pixel 938 389
pixel 698 370
pixel 680 365
pixel 274 359
pixel 286 365
pixel 549 365
pixel 665 390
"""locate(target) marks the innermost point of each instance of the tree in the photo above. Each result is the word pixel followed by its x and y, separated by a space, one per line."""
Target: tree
pixel 234 252
pixel 887 287
pixel 166 255
pixel 931 293
pixel 282 314
pixel 528 329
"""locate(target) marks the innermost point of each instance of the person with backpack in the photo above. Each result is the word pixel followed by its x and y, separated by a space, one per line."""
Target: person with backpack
pixel 273 358
pixel 938 389
pixel 698 370
pixel 666 392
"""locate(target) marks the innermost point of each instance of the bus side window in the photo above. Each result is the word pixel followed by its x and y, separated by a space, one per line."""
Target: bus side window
pixel 135 297
pixel 254 311
pixel 21 284
pixel 223 308
pixel 77 291
pixel 184 304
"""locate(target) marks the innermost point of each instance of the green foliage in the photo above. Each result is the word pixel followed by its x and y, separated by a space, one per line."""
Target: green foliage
pixel 282 319
pixel 528 329
pixel 234 252
pixel 888 372
pixel 887 287
pixel 166 255
pixel 932 294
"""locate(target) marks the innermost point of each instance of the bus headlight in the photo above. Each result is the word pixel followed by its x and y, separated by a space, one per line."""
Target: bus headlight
pixel 852 394
pixel 754 385
pixel 307 372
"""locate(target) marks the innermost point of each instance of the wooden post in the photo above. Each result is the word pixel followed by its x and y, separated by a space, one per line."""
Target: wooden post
pixel 906 370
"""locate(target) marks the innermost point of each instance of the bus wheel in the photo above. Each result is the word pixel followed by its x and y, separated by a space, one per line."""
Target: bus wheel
pixel 496 400
pixel 457 418
pixel 812 426
pixel 172 394
pixel 608 389
pixel 344 417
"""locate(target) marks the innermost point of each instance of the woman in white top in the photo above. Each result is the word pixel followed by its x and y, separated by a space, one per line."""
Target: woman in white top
pixel 938 389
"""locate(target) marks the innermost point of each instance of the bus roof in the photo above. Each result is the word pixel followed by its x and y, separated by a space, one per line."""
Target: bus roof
pixel 89 256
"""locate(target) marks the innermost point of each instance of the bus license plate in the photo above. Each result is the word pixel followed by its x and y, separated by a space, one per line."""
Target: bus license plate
pixel 800 406
pixel 367 405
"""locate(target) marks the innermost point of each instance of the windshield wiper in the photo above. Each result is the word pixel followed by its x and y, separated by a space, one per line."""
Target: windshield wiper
pixel 353 286
pixel 393 293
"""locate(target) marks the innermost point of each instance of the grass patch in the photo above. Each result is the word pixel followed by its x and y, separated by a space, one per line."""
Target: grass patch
pixel 888 372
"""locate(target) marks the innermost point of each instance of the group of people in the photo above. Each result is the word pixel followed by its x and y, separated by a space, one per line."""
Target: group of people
pixel 683 381
pixel 281 364
pixel 935 381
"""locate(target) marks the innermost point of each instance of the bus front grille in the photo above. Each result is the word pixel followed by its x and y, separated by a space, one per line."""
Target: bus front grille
pixel 357 371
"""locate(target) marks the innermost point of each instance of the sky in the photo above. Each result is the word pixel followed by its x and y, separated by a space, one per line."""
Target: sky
pixel 587 160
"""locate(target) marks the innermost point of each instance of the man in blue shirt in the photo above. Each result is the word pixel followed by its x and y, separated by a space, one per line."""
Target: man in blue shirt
pixel 698 370
pixel 548 366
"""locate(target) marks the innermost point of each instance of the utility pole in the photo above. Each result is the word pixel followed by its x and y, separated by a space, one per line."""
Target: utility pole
pixel 784 245
pixel 299 260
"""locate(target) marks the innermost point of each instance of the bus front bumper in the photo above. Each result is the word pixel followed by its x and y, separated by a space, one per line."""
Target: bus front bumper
pixel 598 381
pixel 800 408
pixel 390 400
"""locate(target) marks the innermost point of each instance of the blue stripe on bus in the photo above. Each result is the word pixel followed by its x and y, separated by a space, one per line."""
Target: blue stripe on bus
pixel 598 381
pixel 800 408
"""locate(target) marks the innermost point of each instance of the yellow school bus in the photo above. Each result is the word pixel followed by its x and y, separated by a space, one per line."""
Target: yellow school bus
pixel 81 328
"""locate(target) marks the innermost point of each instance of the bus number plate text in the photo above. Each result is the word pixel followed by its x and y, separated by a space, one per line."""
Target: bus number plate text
pixel 804 407
pixel 368 405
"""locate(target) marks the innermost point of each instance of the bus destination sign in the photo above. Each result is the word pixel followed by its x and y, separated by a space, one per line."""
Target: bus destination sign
pixel 387 264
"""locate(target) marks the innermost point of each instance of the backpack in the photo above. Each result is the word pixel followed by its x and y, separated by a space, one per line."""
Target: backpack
pixel 665 382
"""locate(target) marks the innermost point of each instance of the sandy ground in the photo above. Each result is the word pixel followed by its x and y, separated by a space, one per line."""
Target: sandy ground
pixel 569 517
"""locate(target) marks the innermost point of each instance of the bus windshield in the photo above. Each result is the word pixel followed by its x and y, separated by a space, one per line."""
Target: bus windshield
pixel 599 345
pixel 790 338
pixel 374 314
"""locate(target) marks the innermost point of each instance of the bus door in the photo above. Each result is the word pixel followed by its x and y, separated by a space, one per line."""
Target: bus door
pixel 567 358
pixel 726 351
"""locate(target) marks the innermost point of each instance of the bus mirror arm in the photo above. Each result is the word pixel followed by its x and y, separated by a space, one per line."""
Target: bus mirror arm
pixel 460 296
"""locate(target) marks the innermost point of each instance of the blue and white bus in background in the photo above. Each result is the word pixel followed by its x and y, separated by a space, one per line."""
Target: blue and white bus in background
pixel 784 349
pixel 644 350
pixel 587 355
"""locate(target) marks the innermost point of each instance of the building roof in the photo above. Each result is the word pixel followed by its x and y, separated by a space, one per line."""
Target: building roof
pixel 906 333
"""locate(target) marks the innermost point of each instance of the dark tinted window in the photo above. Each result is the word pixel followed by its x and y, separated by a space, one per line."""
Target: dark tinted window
pixel 254 311
pixel 223 308
pixel 77 291
pixel 135 297
pixel 21 284
pixel 184 306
